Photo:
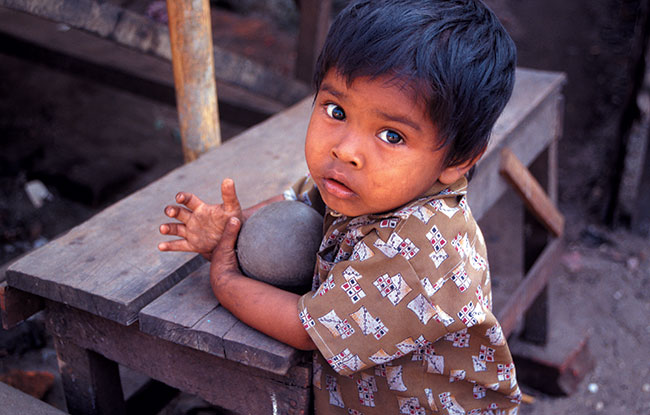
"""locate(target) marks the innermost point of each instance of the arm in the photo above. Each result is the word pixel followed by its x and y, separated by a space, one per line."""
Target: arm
pixel 201 224
pixel 264 307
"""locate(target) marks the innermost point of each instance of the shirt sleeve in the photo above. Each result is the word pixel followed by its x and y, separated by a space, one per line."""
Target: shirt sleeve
pixel 400 289
pixel 305 191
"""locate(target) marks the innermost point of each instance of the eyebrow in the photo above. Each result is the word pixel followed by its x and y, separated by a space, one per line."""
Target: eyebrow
pixel 399 118
pixel 328 88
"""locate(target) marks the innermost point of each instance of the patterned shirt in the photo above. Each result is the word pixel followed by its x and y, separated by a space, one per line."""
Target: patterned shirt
pixel 401 312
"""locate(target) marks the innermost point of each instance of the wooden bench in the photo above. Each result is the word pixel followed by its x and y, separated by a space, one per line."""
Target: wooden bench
pixel 112 298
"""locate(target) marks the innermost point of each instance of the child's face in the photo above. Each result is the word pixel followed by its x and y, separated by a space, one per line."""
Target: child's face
pixel 371 146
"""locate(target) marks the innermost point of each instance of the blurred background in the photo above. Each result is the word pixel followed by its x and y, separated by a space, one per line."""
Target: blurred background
pixel 85 121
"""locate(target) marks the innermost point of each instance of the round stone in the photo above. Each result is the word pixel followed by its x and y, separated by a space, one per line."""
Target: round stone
pixel 278 244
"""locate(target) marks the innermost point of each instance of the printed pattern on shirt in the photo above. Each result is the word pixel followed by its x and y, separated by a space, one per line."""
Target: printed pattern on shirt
pixel 403 293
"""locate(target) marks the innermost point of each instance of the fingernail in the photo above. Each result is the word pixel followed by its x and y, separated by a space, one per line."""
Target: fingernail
pixel 234 221
pixel 179 197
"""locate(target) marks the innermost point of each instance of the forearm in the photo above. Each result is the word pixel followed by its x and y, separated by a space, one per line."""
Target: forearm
pixel 264 307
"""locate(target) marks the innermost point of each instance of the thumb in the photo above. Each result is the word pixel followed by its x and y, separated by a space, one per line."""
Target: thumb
pixel 224 256
pixel 229 195
pixel 229 236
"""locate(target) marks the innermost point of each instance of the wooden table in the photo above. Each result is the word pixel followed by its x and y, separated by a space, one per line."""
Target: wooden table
pixel 112 298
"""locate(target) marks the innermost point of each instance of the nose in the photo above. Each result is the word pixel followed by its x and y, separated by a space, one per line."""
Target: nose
pixel 349 149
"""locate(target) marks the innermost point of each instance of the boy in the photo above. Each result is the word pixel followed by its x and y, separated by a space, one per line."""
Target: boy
pixel 407 94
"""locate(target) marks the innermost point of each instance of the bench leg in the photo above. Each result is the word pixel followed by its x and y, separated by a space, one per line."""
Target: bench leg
pixel 91 382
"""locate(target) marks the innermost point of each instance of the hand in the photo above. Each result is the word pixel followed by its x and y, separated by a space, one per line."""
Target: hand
pixel 224 258
pixel 201 225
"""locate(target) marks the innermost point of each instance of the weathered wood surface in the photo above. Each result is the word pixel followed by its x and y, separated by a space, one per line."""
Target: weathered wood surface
pixel 125 27
pixel 531 192
pixel 200 323
pixel 110 266
pixel 239 388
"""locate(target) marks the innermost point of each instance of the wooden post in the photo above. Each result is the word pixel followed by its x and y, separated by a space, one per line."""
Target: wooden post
pixel 190 35
pixel 314 23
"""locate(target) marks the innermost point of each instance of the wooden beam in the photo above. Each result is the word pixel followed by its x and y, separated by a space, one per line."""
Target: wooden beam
pixel 534 282
pixel 190 35
pixel 17 306
pixel 534 196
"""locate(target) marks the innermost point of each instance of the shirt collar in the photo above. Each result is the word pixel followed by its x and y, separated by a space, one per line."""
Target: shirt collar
pixel 437 191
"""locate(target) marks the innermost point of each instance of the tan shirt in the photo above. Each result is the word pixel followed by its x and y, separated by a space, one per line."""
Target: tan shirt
pixel 401 312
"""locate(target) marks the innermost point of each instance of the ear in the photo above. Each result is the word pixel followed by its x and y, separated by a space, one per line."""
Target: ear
pixel 451 174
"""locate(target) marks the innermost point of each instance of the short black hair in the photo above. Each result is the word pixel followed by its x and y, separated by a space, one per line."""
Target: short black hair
pixel 454 54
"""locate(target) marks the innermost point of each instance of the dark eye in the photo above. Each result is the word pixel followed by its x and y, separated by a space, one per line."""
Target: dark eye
pixel 335 111
pixel 390 136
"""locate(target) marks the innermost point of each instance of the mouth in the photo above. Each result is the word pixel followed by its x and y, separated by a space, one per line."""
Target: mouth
pixel 337 186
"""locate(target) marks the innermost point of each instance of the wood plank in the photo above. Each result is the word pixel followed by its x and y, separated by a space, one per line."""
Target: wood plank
pixel 252 348
pixel 534 282
pixel 17 306
pixel 189 315
pixel 236 387
pixel 167 319
pixel 100 267
pixel 531 192
pixel 136 31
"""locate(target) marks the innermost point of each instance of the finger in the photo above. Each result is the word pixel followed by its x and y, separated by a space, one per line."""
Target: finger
pixel 229 235
pixel 229 195
pixel 190 200
pixel 178 212
pixel 176 229
pixel 224 257
pixel 175 245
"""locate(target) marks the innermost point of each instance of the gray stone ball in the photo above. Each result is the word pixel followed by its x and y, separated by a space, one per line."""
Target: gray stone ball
pixel 278 244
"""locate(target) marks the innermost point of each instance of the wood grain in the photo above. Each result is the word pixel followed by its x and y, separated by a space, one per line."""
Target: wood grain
pixel 203 325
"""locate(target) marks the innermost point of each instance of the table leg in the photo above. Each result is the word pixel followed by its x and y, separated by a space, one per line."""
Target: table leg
pixel 91 382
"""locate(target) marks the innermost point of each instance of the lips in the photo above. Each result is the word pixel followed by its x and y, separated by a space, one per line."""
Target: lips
pixel 337 186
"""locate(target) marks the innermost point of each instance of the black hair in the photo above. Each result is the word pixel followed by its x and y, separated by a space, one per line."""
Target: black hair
pixel 454 54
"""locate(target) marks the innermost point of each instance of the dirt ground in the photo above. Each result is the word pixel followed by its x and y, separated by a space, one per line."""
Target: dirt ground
pixel 91 145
